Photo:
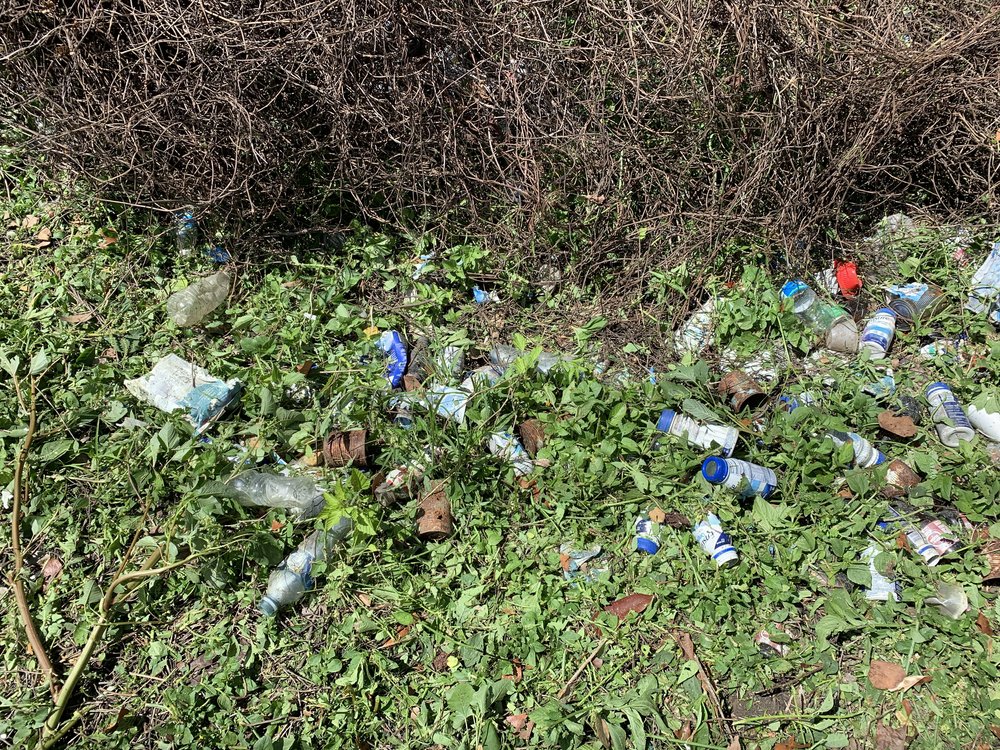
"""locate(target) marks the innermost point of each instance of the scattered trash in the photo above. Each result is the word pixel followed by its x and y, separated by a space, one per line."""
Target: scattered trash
pixel 174 383
pixel 391 344
pixel 929 537
pixel 749 479
pixel 186 228
pixel 290 580
pixel 791 403
pixel 481 298
pixel 824 318
pixel 218 254
pixel 346 448
pixel 986 287
pixel 766 365
pixel 893 229
pixel 715 542
pixel 949 419
pixel 697 332
pixel 399 483
pixel 708 436
pixel 899 479
pixel 503 356
pixel 300 495
pixel 532 434
pixel 194 303
pixel 425 365
pixel 984 414
pixel 434 520
pixel 882 588
pixel 575 563
pixel 878 332
pixel 866 455
pixel 423 262
pixel 884 386
pixel 951 599
pixel 743 391
pixel 913 302
pixel 847 278
pixel 647 535
pixel 768 647
pixel 960 242
pixel 505 446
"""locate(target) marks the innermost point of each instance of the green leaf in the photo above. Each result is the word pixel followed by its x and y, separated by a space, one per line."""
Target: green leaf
pixel 461 699
pixel 697 410
pixel 770 516
pixel 39 362
pixel 829 625
pixel 688 670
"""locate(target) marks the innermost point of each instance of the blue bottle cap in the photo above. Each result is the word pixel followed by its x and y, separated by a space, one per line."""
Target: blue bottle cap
pixel 268 606
pixel 649 546
pixel 791 288
pixel 715 469
pixel 666 419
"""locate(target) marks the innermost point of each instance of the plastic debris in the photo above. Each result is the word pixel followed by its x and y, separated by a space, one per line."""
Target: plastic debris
pixel 218 254
pixel 824 318
pixel 749 479
pixel 293 578
pixel 186 229
pixel 708 436
pixel 174 384
pixel 697 333
pixel 506 446
pixel 951 599
pixel 882 588
pixel 949 418
pixel 423 262
pixel 576 563
pixel 848 280
pixel 985 296
pixel 647 535
pixel 391 344
pixel 984 415
pixel 300 495
pixel 194 303
pixel 866 455
pixel 876 338
pixel 715 542
pixel 884 386
pixel 481 297
pixel 503 357
pixel 914 301
pixel 768 647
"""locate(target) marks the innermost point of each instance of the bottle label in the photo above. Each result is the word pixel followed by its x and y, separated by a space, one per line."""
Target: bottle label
pixel 760 480
pixel 879 331
pixel 939 536
pixel 943 400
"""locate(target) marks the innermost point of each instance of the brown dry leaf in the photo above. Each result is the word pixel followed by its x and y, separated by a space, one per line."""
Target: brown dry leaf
pixel 29 221
pixel 992 552
pixel 907 706
pixel 846 493
pixel 277 525
pixel 901 542
pixel 889 738
pixel 521 725
pixel 901 426
pixel 884 675
pixel 656 515
pixel 735 744
pixel 113 724
pixel 685 732
pixel 789 744
pixel 519 668
pixel 676 520
pixel 996 730
pixel 78 318
pixel 909 681
pixel 305 367
pixel 44 234
pixel 983 623
pixel 440 663
pixel 365 599
pixel 631 603
pixel 400 635
pixel 414 713
pixel 602 732
pixel 108 238
pixel 51 567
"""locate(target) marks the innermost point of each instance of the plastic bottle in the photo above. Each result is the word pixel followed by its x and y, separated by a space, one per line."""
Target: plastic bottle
pixel 293 577
pixel 503 356
pixel 949 419
pixel 191 305
pixel 731 472
pixel 951 599
pixel 297 494
pixel 877 335
pixel 707 436
pixel 647 535
pixel 507 447
pixel 696 333
pixel 187 230
pixel 824 318
pixel 914 301
pixel 866 455
pixel 986 287
pixel 716 542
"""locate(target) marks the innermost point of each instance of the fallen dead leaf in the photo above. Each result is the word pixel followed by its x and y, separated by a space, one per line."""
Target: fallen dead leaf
pixel 901 542
pixel 78 318
pixel 521 725
pixel 113 724
pixel 885 675
pixel 51 567
pixel 400 635
pixel 846 493
pixel 414 713
pixel 277 525
pixel 631 603
pixel 735 744
pixel 656 515
pixel 907 706
pixel 108 238
pixel 789 744
pixel 676 520
pixel 983 623
pixel 909 681
pixel 996 730
pixel 518 673
pixel 29 221
pixel 685 732
pixel 305 367
pixel 889 738
pixel 440 663
pixel 365 599
pixel 992 552
pixel 44 234
pixel 602 732
pixel 899 425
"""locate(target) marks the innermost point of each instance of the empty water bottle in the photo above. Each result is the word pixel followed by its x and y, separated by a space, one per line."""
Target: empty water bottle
pixel 297 494
pixel 949 418
pixel 866 455
pixel 187 230
pixel 293 577
pixel 825 318
pixel 750 479
pixel 706 436
pixel 193 304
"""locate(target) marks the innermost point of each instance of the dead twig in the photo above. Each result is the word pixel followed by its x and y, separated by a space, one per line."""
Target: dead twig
pixel 687 648
pixel 576 675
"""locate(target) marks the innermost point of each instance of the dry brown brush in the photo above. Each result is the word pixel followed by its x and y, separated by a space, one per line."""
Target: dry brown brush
pixel 619 134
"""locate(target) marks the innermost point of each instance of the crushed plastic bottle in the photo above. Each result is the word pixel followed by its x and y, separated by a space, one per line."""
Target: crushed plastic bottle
pixel 186 227
pixel 293 577
pixel 824 318
pixel 749 479
pixel 985 296
pixel 948 416
pixel 876 338
pixel 503 356
pixel 504 445
pixel 715 542
pixel 708 436
pixel 697 333
pixel 193 304
pixel 866 455
pixel 300 495
pixel 950 599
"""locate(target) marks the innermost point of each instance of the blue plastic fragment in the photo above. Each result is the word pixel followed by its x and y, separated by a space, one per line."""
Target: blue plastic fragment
pixel 391 344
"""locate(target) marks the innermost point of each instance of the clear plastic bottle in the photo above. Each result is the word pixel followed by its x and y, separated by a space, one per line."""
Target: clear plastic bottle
pixel 297 494
pixel 825 318
pixel 503 356
pixel 187 230
pixel 949 418
pixel 731 472
pixel 191 305
pixel 866 455
pixel 706 436
pixel 877 335
pixel 293 577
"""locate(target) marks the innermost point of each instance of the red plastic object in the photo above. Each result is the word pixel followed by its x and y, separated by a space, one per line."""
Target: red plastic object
pixel 847 277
